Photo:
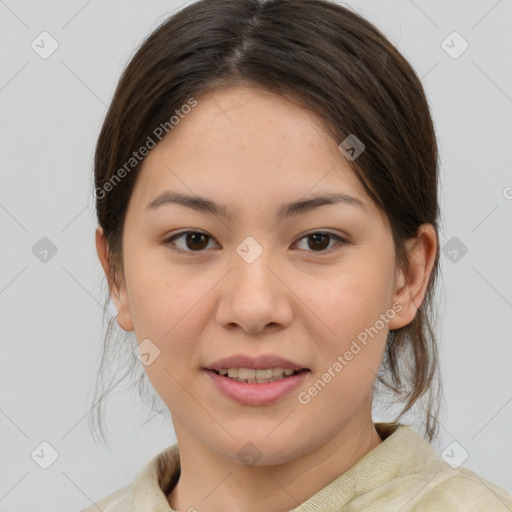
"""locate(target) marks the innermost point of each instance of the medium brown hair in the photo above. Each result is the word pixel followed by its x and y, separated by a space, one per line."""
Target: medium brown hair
pixel 336 64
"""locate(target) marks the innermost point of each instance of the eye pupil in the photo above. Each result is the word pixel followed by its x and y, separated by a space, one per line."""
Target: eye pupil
pixel 319 237
pixel 192 238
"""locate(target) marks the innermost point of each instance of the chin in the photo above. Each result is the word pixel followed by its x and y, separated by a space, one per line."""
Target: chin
pixel 260 450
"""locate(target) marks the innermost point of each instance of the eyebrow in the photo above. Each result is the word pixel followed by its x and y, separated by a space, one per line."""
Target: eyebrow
pixel 204 205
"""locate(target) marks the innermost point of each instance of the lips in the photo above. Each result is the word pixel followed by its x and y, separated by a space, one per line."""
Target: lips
pixel 260 362
pixel 256 394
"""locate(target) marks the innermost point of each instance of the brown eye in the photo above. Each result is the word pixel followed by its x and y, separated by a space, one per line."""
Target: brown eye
pixel 195 241
pixel 319 241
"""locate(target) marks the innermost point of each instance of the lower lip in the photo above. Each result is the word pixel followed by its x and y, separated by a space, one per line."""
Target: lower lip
pixel 256 394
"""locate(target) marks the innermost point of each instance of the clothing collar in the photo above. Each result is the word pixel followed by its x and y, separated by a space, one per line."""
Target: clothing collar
pixel 385 462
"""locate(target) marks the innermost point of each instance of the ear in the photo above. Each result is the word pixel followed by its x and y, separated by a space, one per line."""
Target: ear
pixel 411 283
pixel 117 292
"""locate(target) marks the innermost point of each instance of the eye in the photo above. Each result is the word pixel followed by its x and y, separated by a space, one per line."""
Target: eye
pixel 319 240
pixel 194 240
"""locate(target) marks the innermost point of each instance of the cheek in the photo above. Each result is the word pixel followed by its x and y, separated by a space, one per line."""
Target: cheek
pixel 347 310
pixel 171 313
pixel 351 299
pixel 162 297
pixel 169 306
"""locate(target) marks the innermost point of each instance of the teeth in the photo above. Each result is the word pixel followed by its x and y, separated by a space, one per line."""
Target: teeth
pixel 243 373
pixel 250 375
pixel 265 374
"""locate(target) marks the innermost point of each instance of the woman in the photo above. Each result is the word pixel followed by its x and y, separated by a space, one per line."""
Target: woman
pixel 266 191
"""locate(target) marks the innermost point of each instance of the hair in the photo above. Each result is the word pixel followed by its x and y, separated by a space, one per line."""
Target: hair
pixel 328 60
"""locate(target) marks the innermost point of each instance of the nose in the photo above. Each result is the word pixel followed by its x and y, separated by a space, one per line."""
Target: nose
pixel 254 296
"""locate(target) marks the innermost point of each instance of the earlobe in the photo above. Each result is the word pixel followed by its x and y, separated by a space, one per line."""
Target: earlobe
pixel 117 291
pixel 412 282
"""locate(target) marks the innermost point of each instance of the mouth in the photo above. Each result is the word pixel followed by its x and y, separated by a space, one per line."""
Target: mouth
pixel 261 376
pixel 250 389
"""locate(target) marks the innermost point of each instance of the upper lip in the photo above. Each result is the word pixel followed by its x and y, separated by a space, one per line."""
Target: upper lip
pixel 260 362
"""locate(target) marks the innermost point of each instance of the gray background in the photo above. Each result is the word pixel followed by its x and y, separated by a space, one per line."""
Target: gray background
pixel 51 326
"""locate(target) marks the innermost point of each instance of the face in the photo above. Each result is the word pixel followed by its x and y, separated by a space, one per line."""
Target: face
pixel 255 279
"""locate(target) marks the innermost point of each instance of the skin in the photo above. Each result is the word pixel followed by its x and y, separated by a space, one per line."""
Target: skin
pixel 253 151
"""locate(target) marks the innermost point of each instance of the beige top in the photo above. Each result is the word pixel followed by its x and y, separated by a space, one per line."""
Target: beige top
pixel 403 473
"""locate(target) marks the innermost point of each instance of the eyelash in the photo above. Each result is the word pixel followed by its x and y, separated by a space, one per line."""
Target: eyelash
pixel 339 239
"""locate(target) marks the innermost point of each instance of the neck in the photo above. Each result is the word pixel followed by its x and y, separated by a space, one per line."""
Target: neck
pixel 212 482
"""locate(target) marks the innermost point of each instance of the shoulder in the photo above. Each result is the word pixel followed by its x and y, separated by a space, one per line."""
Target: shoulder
pixel 110 503
pixel 148 489
pixel 416 479
pixel 461 490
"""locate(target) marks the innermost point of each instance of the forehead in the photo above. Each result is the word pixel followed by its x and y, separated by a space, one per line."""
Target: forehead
pixel 248 142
